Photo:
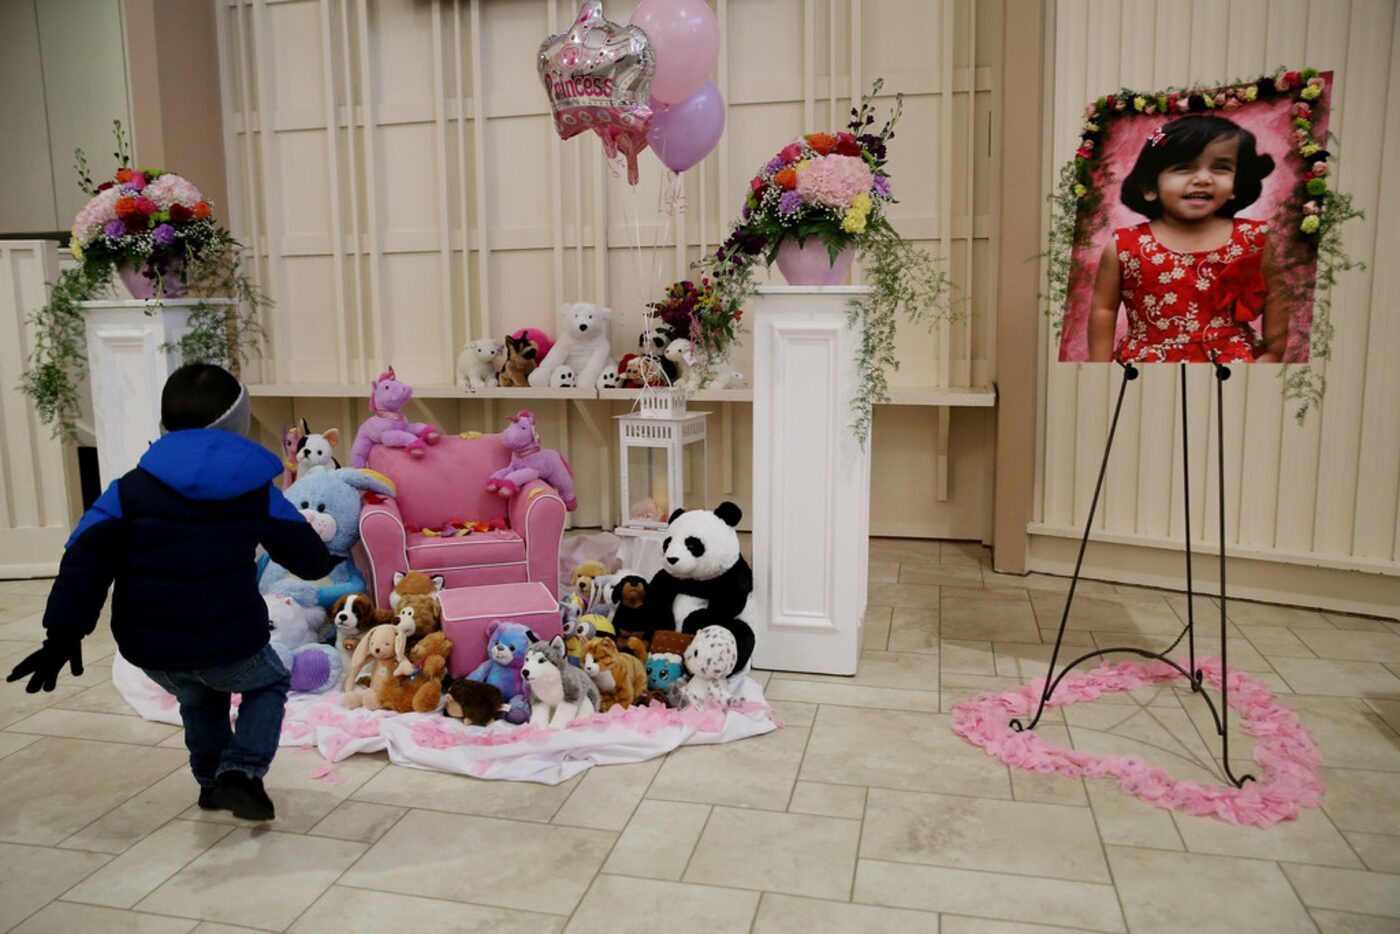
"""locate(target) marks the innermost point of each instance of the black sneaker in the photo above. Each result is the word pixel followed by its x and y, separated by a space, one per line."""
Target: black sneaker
pixel 243 794
pixel 206 798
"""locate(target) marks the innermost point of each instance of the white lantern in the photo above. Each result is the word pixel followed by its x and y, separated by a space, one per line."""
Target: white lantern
pixel 662 449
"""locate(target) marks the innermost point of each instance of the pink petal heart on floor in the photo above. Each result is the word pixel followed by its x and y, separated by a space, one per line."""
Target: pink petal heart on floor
pixel 1283 749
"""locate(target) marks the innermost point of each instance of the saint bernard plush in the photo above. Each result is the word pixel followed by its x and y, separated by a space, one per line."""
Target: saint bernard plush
pixel 704 581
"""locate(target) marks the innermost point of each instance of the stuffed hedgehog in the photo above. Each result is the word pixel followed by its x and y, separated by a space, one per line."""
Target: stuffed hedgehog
pixel 704 581
pixel 505 654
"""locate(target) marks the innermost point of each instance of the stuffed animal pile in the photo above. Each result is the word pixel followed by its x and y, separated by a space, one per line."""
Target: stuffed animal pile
pixel 582 355
pixel 681 639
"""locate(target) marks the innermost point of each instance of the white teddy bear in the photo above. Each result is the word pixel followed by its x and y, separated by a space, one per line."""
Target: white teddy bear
pixel 583 345
pixel 477 364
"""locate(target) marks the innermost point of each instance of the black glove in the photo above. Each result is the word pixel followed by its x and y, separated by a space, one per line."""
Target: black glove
pixel 47 662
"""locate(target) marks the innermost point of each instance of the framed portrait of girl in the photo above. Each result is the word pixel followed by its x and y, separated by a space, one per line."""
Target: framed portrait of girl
pixel 1192 240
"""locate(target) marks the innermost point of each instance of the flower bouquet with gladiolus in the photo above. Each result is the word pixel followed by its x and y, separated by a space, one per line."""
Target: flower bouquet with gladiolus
pixel 157 232
pixel 834 188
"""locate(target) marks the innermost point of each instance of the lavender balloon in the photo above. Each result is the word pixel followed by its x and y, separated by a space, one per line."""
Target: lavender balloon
pixel 682 134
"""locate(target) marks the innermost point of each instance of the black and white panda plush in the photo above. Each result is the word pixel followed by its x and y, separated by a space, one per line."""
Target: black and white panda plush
pixel 704 580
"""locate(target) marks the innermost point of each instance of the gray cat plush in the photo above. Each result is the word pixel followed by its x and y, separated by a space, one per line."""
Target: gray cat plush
pixel 559 692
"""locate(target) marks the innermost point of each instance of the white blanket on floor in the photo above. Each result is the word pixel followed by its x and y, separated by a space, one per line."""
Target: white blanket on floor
pixel 499 751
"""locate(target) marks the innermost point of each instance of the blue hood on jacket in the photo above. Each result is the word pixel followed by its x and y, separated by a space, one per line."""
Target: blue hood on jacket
pixel 208 464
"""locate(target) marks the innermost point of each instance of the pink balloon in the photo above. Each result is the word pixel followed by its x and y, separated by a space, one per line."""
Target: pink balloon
pixel 683 134
pixel 685 35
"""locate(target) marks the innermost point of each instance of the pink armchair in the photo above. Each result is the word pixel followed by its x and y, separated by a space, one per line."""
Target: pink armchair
pixel 446 485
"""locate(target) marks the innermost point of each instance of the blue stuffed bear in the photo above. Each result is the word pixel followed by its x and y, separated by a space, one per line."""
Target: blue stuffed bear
pixel 505 655
pixel 330 501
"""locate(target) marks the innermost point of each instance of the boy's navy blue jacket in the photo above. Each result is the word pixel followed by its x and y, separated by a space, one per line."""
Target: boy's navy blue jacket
pixel 177 535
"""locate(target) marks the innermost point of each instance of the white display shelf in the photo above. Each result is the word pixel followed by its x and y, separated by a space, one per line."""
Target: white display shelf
pixel 356 391
pixel 974 397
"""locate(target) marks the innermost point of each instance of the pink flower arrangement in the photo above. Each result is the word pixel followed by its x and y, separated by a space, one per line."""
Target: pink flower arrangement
pixel 834 181
pixel 142 214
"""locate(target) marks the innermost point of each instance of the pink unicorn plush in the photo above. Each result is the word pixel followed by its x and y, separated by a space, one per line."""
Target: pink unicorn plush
pixel 528 461
pixel 388 425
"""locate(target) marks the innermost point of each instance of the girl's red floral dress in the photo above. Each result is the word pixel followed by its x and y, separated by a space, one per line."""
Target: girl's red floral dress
pixel 1179 309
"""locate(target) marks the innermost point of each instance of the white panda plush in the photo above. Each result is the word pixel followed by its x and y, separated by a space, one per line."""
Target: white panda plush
pixel 704 581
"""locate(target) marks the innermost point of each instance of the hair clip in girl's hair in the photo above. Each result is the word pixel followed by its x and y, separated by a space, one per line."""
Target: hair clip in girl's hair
pixel 1158 136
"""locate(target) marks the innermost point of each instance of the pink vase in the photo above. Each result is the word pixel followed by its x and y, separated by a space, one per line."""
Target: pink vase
pixel 143 285
pixel 811 264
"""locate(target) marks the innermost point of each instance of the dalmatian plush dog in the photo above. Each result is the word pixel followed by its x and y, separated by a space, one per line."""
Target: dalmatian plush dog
pixel 709 659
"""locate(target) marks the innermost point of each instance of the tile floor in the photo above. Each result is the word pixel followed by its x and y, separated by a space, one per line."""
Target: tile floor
pixel 864 814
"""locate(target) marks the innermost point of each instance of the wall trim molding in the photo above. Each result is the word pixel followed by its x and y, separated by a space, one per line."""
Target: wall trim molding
pixel 1251 574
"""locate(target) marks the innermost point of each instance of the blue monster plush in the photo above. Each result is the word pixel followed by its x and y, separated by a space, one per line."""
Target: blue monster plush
pixel 505 655
pixel 330 500
pixel 663 670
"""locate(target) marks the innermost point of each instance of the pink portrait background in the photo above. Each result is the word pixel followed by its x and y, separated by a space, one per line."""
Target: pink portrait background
pixel 1271 123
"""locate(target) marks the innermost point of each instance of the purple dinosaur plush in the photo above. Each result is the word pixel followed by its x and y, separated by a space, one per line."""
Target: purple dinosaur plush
pixel 529 462
pixel 387 425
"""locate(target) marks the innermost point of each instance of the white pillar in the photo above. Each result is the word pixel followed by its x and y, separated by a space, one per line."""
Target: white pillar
pixel 811 482
pixel 127 367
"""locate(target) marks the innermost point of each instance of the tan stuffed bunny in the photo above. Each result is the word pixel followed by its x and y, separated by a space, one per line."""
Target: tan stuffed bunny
pixel 385 644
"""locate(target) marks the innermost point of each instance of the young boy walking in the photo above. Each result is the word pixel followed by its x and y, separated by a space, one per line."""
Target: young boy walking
pixel 175 539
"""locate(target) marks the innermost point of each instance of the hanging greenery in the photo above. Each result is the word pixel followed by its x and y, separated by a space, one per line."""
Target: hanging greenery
pixel 157 226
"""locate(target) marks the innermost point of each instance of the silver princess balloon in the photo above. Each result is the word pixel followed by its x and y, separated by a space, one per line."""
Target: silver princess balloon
pixel 598 77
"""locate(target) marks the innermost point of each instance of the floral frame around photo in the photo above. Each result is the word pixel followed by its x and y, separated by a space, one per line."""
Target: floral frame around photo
pixel 1310 218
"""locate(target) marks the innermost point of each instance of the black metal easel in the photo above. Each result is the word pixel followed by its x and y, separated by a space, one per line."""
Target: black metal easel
pixel 1193 674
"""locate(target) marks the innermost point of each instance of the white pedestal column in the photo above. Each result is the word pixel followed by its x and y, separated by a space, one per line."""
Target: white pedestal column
pixel 811 482
pixel 127 367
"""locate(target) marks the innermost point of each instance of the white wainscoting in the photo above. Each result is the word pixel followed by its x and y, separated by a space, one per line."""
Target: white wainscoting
pixel 1312 509
pixel 34 502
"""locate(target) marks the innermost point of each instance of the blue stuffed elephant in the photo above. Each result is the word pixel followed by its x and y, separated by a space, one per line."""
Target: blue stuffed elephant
pixel 330 501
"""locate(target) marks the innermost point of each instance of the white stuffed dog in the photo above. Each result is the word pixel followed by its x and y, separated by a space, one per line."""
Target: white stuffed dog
pixel 477 364
pixel 583 345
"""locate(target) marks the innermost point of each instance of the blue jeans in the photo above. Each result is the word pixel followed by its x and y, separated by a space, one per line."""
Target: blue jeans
pixel 204 696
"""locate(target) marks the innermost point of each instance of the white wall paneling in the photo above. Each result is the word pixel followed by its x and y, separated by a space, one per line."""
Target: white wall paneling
pixel 394 168
pixel 34 499
pixel 1311 509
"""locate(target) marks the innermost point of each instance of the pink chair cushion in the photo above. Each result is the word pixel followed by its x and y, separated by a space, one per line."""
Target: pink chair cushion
pixel 427 552
pixel 467 611
pixel 448 483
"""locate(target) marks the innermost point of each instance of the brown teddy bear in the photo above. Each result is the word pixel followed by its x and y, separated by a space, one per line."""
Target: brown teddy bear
pixel 620 678
pixel 421 691
pixel 582 578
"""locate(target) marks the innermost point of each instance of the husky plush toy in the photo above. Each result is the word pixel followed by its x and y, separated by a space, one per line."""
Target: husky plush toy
pixel 559 692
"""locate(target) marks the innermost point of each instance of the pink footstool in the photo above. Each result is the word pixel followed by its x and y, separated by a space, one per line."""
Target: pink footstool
pixel 467 611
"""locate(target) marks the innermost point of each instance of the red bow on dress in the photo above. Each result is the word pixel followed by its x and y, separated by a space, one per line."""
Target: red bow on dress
pixel 1241 284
